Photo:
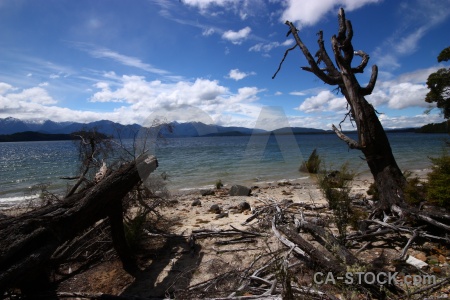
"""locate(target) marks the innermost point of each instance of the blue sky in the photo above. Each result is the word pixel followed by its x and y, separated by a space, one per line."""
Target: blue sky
pixel 88 60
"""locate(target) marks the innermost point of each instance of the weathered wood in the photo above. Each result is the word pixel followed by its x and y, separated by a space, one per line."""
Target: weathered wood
pixel 329 241
pixel 372 139
pixel 28 241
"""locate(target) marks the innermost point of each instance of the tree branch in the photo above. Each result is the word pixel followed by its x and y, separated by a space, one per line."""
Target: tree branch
pixel 314 67
pixel 364 61
pixel 350 142
pixel 347 46
pixel 342 25
pixel 323 56
pixel 342 63
pixel 284 57
pixel 371 85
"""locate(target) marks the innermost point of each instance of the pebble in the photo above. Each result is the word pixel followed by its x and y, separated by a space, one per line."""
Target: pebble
pixel 421 256
pixel 378 243
pixel 436 270
pixel 243 206
pixel 196 202
pixel 215 209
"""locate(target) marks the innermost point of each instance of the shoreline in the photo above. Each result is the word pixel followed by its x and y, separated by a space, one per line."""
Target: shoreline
pixel 364 178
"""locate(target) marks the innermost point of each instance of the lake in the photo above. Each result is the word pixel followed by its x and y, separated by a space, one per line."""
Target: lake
pixel 200 162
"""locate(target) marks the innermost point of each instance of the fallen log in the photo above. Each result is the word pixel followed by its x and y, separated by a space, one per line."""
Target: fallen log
pixel 28 241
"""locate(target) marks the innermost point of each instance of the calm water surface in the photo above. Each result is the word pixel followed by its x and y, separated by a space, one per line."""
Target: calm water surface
pixel 200 162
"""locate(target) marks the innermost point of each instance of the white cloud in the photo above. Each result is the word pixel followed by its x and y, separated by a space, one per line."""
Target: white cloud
pixel 139 99
pixel 208 31
pixel 238 75
pixel 310 12
pixel 204 4
pixel 385 59
pixel 297 93
pixel 323 101
pixel 417 19
pixel 36 95
pixel 236 37
pixel 100 52
pixel 407 90
pixel 135 89
pixel 242 8
pixel 4 87
pixel 406 95
pixel 408 44
pixel 409 121
pixel 261 47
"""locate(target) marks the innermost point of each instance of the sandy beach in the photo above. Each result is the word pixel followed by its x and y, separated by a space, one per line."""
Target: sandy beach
pixel 170 263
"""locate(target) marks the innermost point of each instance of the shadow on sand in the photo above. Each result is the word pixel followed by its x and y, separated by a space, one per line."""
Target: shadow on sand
pixel 168 266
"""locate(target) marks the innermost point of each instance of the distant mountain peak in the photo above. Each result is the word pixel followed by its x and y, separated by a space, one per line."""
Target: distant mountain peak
pixel 12 125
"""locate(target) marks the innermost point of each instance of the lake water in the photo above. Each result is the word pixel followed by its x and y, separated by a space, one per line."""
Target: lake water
pixel 200 162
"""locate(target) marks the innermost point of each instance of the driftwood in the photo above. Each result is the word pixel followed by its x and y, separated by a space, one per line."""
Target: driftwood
pixel 28 241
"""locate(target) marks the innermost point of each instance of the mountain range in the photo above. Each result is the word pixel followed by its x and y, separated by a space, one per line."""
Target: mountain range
pixel 13 129
pixel 12 125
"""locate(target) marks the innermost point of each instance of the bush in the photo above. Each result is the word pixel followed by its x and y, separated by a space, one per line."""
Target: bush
pixel 134 229
pixel 373 191
pixel 313 163
pixel 219 184
pixel 436 191
pixel 415 190
pixel 336 187
pixel 438 181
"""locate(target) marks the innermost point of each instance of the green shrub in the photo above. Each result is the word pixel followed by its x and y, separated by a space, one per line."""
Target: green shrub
pixel 336 188
pixel 134 228
pixel 415 190
pixel 219 184
pixel 438 191
pixel 373 191
pixel 356 215
pixel 313 163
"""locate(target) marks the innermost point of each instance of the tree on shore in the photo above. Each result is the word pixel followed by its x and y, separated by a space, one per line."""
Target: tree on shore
pixel 372 139
pixel 439 85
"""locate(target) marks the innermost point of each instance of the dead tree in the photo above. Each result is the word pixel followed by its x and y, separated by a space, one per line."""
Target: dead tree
pixel 372 139
pixel 27 242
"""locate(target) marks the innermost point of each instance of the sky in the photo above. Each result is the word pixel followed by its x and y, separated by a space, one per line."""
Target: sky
pixel 211 60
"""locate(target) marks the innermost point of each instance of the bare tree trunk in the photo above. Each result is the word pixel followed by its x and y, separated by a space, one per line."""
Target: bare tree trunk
pixel 27 242
pixel 373 142
pixel 372 139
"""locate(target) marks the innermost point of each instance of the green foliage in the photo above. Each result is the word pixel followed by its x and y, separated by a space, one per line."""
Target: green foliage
pixel 415 191
pixel 444 55
pixel 443 127
pixel 438 191
pixel 439 85
pixel 357 215
pixel 313 164
pixel 219 184
pixel 373 191
pixel 134 228
pixel 336 187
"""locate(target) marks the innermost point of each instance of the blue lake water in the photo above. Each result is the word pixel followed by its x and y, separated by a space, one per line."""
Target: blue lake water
pixel 200 162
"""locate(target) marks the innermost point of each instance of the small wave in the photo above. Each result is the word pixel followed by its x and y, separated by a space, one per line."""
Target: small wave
pixel 204 187
pixel 16 199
